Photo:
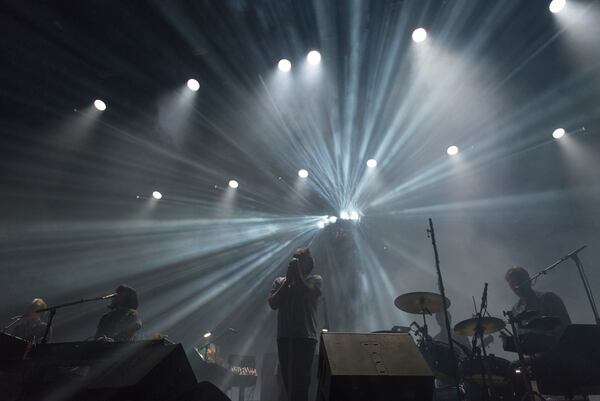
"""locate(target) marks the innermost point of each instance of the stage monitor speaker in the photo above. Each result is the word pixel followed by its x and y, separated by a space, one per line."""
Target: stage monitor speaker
pixel 97 371
pixel 372 367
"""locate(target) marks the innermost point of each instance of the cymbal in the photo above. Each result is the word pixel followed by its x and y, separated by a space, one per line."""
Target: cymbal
pixel 419 302
pixel 488 324
pixel 543 323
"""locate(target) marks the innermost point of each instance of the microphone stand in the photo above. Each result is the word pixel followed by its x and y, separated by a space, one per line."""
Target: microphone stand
pixel 431 234
pixel 586 285
pixel 481 353
pixel 53 309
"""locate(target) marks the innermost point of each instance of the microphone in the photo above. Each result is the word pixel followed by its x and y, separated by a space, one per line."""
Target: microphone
pixel 484 297
pixel 16 317
pixel 109 296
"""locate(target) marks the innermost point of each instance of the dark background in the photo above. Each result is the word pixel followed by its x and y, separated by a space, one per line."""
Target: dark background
pixel 494 78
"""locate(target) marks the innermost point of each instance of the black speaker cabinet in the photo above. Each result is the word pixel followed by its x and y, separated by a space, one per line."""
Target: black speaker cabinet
pixel 97 371
pixel 372 367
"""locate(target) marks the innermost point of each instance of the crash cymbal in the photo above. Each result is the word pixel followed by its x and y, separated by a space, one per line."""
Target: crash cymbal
pixel 419 302
pixel 542 323
pixel 488 325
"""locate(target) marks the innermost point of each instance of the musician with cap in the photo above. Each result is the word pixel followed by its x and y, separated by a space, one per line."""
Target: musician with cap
pixel 122 322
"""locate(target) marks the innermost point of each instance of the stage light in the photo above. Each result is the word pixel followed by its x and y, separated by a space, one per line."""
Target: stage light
pixel 558 133
pixel 321 224
pixel 419 35
pixel 314 57
pixel 344 215
pixel 452 150
pixel 233 184
pixel 156 195
pixel 557 6
pixel 207 334
pixel 99 104
pixel 303 173
pixel 354 216
pixel 193 84
pixel 332 219
pixel 284 65
pixel 371 163
pixel 324 331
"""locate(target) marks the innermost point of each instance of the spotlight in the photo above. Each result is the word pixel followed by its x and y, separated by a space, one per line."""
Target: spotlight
pixel 303 173
pixel 419 35
pixel 558 133
pixel 557 6
pixel 156 195
pixel 233 184
pixel 321 224
pixel 332 219
pixel 284 65
pixel 371 163
pixel 193 84
pixel 344 215
pixel 324 331
pixel 99 104
pixel 452 150
pixel 314 57
pixel 207 334
pixel 354 216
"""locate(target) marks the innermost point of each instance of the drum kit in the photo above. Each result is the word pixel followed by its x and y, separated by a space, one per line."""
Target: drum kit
pixel 479 375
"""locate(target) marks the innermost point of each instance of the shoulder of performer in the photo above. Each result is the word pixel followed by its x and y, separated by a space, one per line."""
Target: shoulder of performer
pixel 549 297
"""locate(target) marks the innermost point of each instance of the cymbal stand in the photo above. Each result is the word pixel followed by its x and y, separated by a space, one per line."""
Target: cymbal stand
pixel 529 393
pixel 480 352
pixel 431 234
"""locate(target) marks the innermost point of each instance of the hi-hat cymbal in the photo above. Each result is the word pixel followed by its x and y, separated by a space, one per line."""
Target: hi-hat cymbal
pixel 419 302
pixel 488 325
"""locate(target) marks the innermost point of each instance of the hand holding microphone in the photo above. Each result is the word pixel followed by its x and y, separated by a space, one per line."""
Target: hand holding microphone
pixel 292 272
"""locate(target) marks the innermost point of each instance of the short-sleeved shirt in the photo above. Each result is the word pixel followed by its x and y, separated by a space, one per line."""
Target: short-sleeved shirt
pixel 297 312
pixel 547 304
pixel 119 324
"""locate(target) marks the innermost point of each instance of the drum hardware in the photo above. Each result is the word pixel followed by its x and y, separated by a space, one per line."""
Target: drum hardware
pixel 446 304
pixel 479 326
pixel 421 303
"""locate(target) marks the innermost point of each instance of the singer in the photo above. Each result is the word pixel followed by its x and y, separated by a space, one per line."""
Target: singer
pixel 295 297
pixel 122 322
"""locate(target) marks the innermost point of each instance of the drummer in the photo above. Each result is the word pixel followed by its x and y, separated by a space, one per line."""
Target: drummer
pixel 545 303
